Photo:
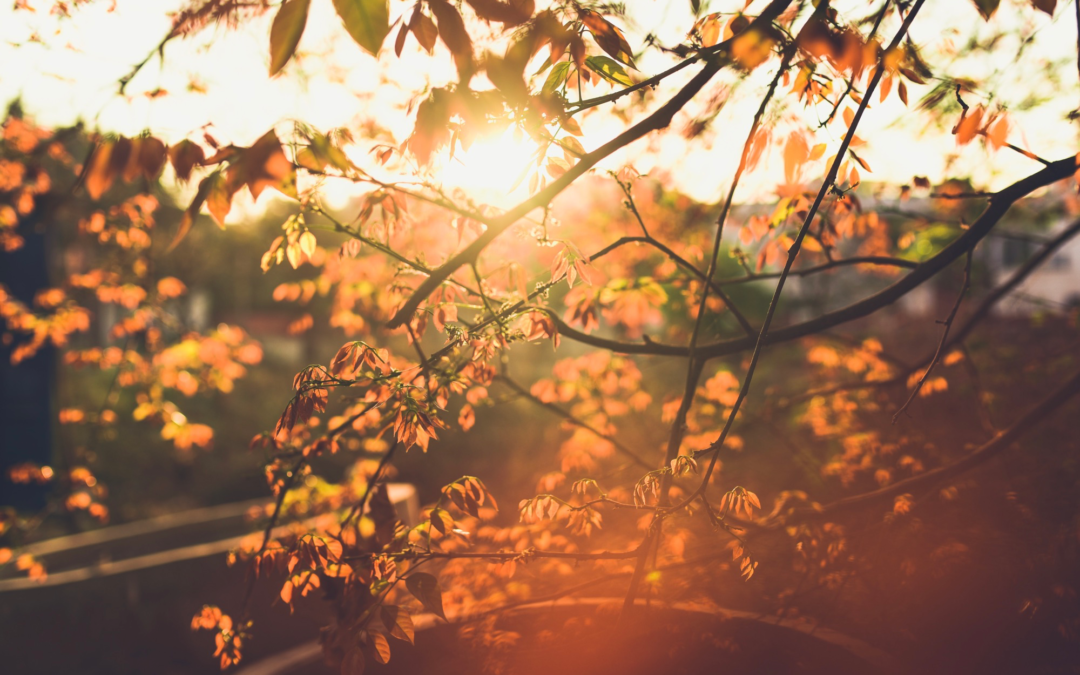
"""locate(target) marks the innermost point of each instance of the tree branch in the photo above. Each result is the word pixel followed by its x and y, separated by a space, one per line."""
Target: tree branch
pixel 659 119
pixel 925 481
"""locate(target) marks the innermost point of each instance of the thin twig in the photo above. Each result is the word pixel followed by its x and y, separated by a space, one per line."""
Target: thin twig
pixel 793 252
pixel 569 417
pixel 946 326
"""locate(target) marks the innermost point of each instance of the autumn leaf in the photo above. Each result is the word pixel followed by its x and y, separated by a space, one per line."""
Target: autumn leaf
pixel 367 21
pixel 610 38
pixel 997 134
pixel 509 14
pixel 796 153
pixel 353 663
pixel 192 211
pixel 152 156
pixel 287 592
pixel 424 29
pixel 453 33
pixel 425 588
pixel 969 126
pixel 860 160
pixel 398 622
pixel 381 645
pixel 98 172
pixel 218 198
pixel 286 31
pixel 185 156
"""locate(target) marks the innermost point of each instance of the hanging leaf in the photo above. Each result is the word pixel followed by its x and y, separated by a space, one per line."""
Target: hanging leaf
pixel 192 210
pixel 398 622
pixel 796 153
pixel 353 663
pixel 424 29
pixel 152 154
pixel 368 22
pixel 1047 6
pixel 184 157
pixel 285 32
pixel 452 29
pixel 98 174
pixel 381 645
pixel 425 588
pixel 263 165
pixel 399 43
pixel 986 7
pixel 860 160
pixel 610 38
pixel 219 198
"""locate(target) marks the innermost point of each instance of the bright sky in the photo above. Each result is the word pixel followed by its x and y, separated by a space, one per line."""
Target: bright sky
pixel 74 74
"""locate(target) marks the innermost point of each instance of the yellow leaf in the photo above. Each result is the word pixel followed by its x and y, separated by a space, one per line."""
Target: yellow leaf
pixel 307 243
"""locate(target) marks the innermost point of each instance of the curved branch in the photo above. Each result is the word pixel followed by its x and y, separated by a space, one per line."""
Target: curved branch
pixel 686 265
pixel 884 261
pixel 969 325
pixel 998 206
pixel 989 450
pixel 659 119
pixel 522 391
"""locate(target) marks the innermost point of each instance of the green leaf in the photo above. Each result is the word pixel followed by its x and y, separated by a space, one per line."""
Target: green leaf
pixel 286 31
pixel 425 588
pixel 987 7
pixel 556 77
pixel 368 22
pixel 610 69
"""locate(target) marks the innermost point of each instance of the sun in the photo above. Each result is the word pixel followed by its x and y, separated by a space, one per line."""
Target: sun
pixel 492 166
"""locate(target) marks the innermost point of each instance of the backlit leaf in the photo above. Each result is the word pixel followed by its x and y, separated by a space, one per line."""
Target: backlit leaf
pixel 425 588
pixel 398 622
pixel 368 22
pixel 452 28
pixel 285 32
pixel 424 29
pixel 609 69
pixel 185 156
pixel 381 645
pixel 557 77
pixel 610 38
pixel 98 172
pixel 986 7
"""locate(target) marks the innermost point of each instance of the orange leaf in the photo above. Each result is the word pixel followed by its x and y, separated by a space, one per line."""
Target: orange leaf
pixel 998 132
pixel 185 156
pixel 99 173
pixel 969 126
pixel 382 646
pixel 286 592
